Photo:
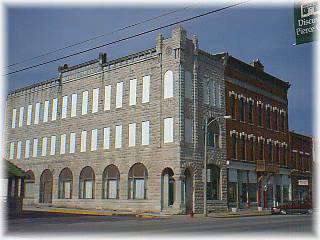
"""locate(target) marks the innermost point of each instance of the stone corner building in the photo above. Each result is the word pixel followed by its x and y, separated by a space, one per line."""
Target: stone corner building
pixel 127 134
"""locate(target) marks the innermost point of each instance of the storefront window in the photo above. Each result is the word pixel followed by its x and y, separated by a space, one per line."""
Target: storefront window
pixel 213 182
pixel 252 192
pixel 278 193
pixel 244 193
pixel 285 193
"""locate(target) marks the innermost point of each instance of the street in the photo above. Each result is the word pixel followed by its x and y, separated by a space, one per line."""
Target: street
pixel 61 223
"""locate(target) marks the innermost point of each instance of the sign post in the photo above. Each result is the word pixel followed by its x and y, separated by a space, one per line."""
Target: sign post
pixel 305 20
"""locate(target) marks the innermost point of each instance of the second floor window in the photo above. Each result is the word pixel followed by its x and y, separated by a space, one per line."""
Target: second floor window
pixel 261 150
pixel 243 148
pixel 234 146
pixel 268 118
pixel 260 115
pixel 270 152
pixel 242 109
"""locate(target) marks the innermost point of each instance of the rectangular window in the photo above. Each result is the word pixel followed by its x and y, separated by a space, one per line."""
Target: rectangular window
pixel 132 134
pixel 133 92
pixel 14 116
pixel 188 127
pixel 283 121
pixel 44 146
pixel 118 140
pixel 27 151
pixel 83 146
pixel 168 130
pixel 37 113
pixel 243 148
pixel 95 100
pixel 260 115
pixel 261 150
pixel 21 116
pixel 250 112
pixel 11 154
pixel 106 138
pixel 252 150
pixel 54 109
pixel 145 89
pixel 276 120
pixel 242 109
pixel 270 152
pixel 145 133
pixel 168 85
pixel 64 107
pixel 35 148
pixel 107 97
pixel 72 142
pixel 45 111
pixel 63 144
pixel 233 107
pixel 94 139
pixel 74 98
pixel 234 146
pixel 19 149
pixel 85 95
pixel 139 189
pixel 53 145
pixel 29 115
pixel 119 95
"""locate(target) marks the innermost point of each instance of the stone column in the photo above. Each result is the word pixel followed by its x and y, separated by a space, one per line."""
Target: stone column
pixel 179 201
pixel 55 185
pixel 165 193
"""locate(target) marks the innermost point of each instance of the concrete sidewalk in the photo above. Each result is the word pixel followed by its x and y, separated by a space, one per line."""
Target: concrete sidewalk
pixel 95 212
pixel 240 213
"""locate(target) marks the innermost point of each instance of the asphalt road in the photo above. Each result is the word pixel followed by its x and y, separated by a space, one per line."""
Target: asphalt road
pixel 73 224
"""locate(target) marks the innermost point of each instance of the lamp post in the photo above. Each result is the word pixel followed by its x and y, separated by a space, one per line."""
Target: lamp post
pixel 206 125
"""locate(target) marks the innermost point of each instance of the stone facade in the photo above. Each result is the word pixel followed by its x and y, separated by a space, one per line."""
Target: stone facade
pixel 177 54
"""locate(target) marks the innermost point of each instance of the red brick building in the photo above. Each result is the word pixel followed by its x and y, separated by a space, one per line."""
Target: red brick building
pixel 301 164
pixel 258 145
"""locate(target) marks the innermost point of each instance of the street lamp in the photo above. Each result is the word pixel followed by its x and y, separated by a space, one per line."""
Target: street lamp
pixel 206 125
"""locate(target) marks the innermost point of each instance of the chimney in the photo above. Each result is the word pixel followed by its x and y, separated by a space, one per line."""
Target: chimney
pixel 257 64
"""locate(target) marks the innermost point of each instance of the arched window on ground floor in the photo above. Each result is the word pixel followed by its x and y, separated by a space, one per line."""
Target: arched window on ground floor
pixel 110 182
pixel 137 182
pixel 86 183
pixel 65 184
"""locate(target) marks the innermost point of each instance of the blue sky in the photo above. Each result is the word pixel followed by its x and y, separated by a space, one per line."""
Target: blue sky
pixel 246 33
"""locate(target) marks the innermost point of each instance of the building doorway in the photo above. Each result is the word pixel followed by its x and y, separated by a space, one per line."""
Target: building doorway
pixel 188 191
pixel 46 187
pixel 167 188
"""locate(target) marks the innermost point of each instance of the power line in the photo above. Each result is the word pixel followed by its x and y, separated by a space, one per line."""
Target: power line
pixel 98 36
pixel 127 38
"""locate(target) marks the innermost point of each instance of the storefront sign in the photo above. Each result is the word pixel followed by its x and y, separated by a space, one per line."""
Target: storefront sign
pixel 303 182
pixel 305 20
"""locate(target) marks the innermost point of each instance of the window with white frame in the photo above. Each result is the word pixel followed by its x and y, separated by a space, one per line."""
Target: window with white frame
pixel 188 89
pixel 54 109
pixel 63 143
pixel 35 147
pixel 83 145
pixel 95 100
pixel 168 130
pixel 29 114
pixel 188 127
pixel 94 139
pixel 107 97
pixel 132 134
pixel 64 107
pixel 118 138
pixel 119 94
pixel 145 138
pixel 106 137
pixel 11 153
pixel 168 84
pixel 44 146
pixel 133 92
pixel 21 111
pixel 27 149
pixel 85 96
pixel 37 114
pixel 45 111
pixel 145 89
pixel 74 99
pixel 72 142
pixel 14 116
pixel 53 145
pixel 19 149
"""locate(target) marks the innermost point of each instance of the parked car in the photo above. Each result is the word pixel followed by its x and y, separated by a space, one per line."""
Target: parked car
pixel 302 207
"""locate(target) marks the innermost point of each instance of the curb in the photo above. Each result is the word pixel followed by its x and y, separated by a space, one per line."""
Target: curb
pixel 237 216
